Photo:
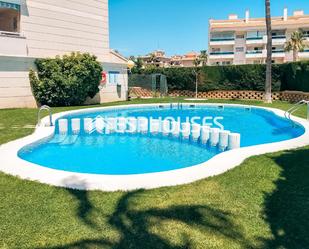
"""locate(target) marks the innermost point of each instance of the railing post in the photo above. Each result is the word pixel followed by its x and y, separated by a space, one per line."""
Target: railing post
pixel 45 107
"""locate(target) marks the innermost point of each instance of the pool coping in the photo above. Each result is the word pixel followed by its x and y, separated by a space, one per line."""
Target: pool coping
pixel 13 165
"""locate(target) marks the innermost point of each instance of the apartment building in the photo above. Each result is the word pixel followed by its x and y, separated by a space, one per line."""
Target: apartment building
pixel 31 29
pixel 187 60
pixel 158 58
pixel 243 41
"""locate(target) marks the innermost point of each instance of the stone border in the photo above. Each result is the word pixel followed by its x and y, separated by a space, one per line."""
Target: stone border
pixel 13 165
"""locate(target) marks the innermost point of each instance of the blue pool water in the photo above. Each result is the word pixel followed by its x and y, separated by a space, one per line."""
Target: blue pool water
pixel 123 154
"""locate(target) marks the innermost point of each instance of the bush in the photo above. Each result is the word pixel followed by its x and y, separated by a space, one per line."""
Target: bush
pixel 67 80
pixel 295 76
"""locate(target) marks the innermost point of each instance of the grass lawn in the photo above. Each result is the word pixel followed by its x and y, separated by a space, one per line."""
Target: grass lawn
pixel 262 204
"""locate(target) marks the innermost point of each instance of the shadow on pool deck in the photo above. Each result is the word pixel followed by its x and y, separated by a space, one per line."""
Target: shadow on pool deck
pixel 134 226
pixel 287 208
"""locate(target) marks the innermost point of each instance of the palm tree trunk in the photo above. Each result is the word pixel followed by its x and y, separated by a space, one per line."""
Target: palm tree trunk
pixel 268 95
pixel 295 55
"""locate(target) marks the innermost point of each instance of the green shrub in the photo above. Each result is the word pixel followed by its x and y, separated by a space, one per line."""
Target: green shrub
pixel 295 76
pixel 240 77
pixel 67 80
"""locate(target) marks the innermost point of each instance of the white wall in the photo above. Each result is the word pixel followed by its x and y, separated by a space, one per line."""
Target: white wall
pixel 56 27
pixel 15 90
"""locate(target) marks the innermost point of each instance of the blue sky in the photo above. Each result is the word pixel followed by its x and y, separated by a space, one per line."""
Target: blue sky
pixel 138 27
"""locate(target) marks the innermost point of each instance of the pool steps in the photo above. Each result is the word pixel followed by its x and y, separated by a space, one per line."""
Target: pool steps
pixel 215 137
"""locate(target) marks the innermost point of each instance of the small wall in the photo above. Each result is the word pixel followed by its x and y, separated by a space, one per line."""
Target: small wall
pixel 253 95
pixel 15 90
pixel 246 95
pixel 293 96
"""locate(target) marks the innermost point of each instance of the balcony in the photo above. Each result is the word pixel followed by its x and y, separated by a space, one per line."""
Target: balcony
pixel 279 39
pixel 278 53
pixel 221 55
pixel 255 54
pixel 304 54
pixel 306 36
pixel 256 40
pixel 12 44
pixel 222 41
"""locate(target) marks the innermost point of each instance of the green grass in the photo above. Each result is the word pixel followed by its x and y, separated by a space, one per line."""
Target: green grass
pixel 264 203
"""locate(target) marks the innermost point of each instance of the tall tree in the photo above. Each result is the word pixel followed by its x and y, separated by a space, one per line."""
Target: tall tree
pixel 268 94
pixel 152 58
pixel 203 57
pixel 295 44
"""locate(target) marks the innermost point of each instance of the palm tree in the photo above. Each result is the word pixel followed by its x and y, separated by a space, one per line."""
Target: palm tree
pixel 268 95
pixel 152 58
pixel 295 44
pixel 203 57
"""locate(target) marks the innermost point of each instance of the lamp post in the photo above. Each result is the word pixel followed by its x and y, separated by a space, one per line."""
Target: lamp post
pixel 130 66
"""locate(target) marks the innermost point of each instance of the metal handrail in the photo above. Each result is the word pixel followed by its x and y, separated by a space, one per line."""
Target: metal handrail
pixel 178 105
pixel 296 107
pixel 46 108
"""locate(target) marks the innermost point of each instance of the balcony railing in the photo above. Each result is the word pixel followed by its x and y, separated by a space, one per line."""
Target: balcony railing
pixel 254 52
pixel 255 38
pixel 223 39
pixel 276 51
pixel 222 53
pixel 279 37
pixel 11 34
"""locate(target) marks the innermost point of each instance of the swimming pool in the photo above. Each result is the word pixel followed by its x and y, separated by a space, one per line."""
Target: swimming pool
pixel 129 160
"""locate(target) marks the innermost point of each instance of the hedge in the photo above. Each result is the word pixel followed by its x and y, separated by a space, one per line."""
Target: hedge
pixel 295 76
pixel 67 80
pixel 291 76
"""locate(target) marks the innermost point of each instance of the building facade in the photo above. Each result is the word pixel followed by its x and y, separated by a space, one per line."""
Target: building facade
pixel 159 59
pixel 243 41
pixel 31 29
pixel 187 60
pixel 156 58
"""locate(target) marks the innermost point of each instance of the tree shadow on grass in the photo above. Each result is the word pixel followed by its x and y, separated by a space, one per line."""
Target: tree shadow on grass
pixel 287 208
pixel 134 226
pixel 85 208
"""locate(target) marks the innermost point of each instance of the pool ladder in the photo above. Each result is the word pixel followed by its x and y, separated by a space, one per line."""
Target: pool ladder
pixel 178 106
pixel 45 108
pixel 296 107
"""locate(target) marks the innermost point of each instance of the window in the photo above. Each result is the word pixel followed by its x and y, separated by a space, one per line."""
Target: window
pixel 255 34
pixel 113 77
pixel 9 17
pixel 222 36
pixel 240 49
pixel 306 33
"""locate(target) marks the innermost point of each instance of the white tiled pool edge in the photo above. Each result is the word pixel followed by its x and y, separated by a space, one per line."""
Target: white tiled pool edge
pixel 11 164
